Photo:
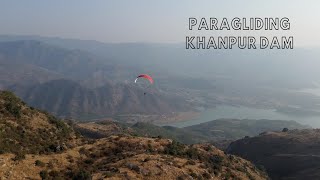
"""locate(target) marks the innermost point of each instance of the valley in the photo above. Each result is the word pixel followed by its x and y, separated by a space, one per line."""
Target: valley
pixel 242 112
pixel 85 83
pixel 212 131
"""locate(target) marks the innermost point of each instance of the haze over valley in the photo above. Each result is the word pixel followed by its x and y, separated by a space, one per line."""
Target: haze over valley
pixel 88 80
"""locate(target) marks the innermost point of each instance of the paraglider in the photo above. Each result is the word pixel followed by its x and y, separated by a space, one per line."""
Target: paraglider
pixel 145 76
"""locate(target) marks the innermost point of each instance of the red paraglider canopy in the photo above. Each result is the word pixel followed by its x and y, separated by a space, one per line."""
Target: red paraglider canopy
pixel 146 76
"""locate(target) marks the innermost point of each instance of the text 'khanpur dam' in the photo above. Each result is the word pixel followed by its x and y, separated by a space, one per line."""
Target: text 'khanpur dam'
pixel 242 42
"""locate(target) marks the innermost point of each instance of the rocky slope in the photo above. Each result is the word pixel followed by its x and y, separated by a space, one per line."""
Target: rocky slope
pixel 285 155
pixel 35 145
pixel 127 157
pixel 27 130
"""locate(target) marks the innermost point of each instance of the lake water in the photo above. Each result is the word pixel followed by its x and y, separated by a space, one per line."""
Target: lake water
pixel 246 113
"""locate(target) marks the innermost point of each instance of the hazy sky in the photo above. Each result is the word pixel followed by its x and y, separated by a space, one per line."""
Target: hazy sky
pixel 146 20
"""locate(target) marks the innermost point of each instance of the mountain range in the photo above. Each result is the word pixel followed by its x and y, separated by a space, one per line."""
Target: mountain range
pixel 185 80
pixel 78 84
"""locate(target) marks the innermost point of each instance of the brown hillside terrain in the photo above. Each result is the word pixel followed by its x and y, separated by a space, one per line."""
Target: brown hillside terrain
pixel 102 129
pixel 36 145
pixel 285 155
pixel 126 157
pixel 24 129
